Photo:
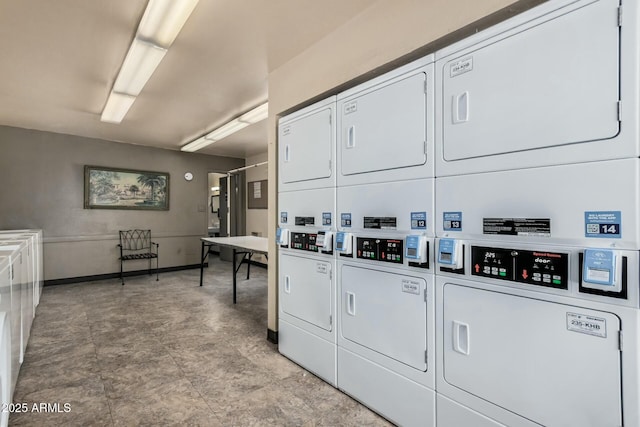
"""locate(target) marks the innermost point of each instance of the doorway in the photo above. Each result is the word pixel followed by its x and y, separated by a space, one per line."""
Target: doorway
pixel 226 202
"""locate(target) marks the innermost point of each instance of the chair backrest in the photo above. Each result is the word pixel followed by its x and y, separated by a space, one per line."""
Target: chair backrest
pixel 135 240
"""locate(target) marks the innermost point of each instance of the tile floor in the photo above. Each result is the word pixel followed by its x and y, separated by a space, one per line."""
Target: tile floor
pixel 169 353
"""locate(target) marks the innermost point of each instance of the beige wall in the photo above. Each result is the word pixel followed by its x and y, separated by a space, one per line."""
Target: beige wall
pixel 43 180
pixel 382 36
pixel 257 219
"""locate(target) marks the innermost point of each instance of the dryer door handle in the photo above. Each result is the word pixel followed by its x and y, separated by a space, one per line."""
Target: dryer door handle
pixel 351 303
pixel 461 108
pixel 351 136
pixel 461 337
pixel 287 284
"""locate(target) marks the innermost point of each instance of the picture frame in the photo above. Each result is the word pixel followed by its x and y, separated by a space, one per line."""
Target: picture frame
pixel 130 189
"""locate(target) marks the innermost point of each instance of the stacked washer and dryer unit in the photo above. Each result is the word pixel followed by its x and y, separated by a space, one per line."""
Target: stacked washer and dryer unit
pixel 386 339
pixel 495 283
pixel 537 213
pixel 307 205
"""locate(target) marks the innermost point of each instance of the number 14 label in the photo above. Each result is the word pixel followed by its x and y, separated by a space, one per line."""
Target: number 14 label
pixel 603 224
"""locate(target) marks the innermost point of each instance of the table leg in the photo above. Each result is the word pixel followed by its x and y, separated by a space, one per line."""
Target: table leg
pixel 234 275
pixel 249 264
pixel 201 263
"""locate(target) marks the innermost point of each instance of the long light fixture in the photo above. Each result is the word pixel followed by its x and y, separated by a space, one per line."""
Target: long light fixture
pixel 159 27
pixel 250 117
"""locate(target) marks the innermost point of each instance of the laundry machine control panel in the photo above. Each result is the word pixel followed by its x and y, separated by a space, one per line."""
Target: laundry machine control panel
pixel 384 250
pixel 304 241
pixel 540 268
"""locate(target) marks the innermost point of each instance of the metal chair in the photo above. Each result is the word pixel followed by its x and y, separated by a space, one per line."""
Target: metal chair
pixel 136 245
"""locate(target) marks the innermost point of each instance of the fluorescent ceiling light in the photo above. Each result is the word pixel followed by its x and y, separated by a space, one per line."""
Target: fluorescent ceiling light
pixel 159 27
pixel 253 116
pixel 138 66
pixel 116 108
pixel 196 145
pixel 227 129
pixel 257 114
pixel 163 20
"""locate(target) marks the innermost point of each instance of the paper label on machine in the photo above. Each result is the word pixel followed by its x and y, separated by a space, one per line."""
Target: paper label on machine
pixel 411 286
pixel 461 67
pixel 350 107
pixel 589 325
pixel 517 226
pixel 321 268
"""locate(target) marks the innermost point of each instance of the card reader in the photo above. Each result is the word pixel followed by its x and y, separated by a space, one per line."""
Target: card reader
pixel 450 253
pixel 344 243
pixel 600 270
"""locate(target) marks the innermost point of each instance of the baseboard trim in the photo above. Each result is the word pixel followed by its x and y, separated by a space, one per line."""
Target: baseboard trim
pixel 272 336
pixel 69 280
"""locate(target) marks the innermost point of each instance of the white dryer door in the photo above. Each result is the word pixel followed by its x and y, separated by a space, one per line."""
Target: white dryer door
pixel 385 128
pixel 305 289
pixel 386 313
pixel 306 147
pixel 557 365
pixel 553 84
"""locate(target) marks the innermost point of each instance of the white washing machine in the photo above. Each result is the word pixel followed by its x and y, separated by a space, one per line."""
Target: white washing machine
pixel 26 286
pixel 386 127
pixel 307 148
pixel 14 294
pixel 35 237
pixel 588 204
pixel 386 341
pixel 5 364
pixel 306 280
pixel 536 334
pixel 530 92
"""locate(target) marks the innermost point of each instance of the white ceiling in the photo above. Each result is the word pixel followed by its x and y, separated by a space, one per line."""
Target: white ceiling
pixel 58 61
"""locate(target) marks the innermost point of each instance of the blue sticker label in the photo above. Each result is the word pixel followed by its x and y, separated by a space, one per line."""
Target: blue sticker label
pixel 603 224
pixel 452 221
pixel 326 218
pixel 345 220
pixel 284 217
pixel 418 220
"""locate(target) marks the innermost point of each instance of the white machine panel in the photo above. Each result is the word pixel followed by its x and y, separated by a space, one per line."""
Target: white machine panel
pixel 306 148
pixel 529 350
pixel 5 367
pixel 309 350
pixel 305 289
pixel 530 93
pixel 391 202
pixel 452 414
pixel 386 313
pixel 405 403
pixel 578 204
pixel 311 209
pixel 23 252
pixel 35 237
pixel 15 320
pixel 385 129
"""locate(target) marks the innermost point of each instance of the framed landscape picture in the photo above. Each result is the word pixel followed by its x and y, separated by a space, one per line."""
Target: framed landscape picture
pixel 112 188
